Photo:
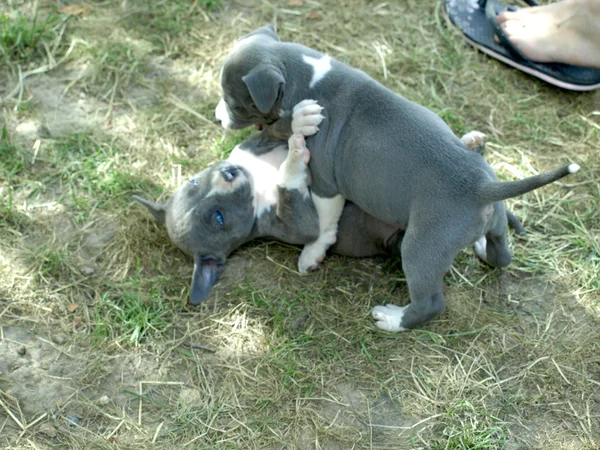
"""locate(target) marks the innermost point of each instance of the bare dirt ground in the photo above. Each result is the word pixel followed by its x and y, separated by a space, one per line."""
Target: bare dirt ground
pixel 98 348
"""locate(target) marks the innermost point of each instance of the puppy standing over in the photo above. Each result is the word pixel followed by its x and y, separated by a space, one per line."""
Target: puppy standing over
pixel 394 159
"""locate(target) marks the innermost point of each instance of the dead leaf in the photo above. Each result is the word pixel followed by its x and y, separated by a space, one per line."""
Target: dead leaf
pixel 314 15
pixel 72 307
pixel 75 10
pixel 295 2
pixel 78 320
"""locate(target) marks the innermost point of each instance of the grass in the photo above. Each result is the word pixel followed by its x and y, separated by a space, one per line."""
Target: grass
pixel 21 37
pixel 128 312
pixel 121 102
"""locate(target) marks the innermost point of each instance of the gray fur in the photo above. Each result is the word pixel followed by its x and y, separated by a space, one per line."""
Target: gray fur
pixel 396 160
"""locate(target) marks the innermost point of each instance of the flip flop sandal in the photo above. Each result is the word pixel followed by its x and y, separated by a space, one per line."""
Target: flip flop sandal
pixel 478 22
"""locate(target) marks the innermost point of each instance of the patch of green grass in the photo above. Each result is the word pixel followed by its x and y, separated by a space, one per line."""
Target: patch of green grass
pixel 127 312
pixel 97 173
pixel 48 262
pixel 224 145
pixel 11 161
pixel 286 313
pixel 122 54
pixel 171 18
pixel 11 166
pixel 20 37
pixel 471 429
pixel 454 121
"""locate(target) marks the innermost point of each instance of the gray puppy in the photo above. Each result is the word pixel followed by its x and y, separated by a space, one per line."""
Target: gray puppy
pixel 245 197
pixel 394 159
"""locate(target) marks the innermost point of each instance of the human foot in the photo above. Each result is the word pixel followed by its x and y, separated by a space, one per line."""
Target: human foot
pixel 566 32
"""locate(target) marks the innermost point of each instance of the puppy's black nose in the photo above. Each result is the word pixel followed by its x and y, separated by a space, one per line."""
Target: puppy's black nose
pixel 229 173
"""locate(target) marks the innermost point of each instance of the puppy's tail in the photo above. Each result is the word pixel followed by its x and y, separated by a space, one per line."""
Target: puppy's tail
pixel 494 191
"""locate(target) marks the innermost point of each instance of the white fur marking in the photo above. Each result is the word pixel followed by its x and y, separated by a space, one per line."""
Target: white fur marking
pixel 274 157
pixel 262 175
pixel 574 168
pixel 480 248
pixel 320 68
pixel 329 211
pixel 389 317
pixel 222 115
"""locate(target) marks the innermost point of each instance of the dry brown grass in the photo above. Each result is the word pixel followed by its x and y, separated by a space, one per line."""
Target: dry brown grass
pixel 93 290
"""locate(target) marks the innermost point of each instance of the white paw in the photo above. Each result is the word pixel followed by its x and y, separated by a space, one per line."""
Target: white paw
pixel 389 317
pixel 306 117
pixel 297 148
pixel 474 139
pixel 480 248
pixel 311 257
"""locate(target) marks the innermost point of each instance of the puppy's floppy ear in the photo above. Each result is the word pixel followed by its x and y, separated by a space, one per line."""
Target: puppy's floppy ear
pixel 158 210
pixel 264 84
pixel 206 274
pixel 266 30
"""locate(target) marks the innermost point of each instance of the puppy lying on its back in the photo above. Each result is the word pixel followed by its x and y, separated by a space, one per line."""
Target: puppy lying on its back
pixel 245 197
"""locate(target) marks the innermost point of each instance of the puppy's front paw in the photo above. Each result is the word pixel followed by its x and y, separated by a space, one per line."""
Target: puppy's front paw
pixel 306 117
pixel 311 258
pixel 297 148
pixel 389 317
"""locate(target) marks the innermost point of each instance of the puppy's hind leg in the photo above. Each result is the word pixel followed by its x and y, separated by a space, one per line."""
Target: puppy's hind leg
pixel 493 247
pixel 424 266
pixel 475 140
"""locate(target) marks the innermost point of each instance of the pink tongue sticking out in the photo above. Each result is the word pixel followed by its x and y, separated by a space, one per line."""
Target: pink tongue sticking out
pixel 259 126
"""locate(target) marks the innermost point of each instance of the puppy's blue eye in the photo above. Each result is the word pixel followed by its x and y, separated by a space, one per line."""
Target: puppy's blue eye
pixel 194 182
pixel 219 218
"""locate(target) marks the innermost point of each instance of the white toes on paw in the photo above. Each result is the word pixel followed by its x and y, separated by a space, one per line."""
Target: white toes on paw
pixel 389 317
pixel 298 150
pixel 474 139
pixel 480 248
pixel 306 117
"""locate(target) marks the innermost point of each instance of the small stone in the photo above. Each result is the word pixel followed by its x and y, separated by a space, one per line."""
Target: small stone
pixel 190 397
pixel 87 271
pixel 59 338
pixel 22 350
pixel 104 400
pixel 48 430
pixel 72 420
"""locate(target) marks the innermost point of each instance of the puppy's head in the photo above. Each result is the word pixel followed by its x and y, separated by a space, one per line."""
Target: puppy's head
pixel 253 82
pixel 208 217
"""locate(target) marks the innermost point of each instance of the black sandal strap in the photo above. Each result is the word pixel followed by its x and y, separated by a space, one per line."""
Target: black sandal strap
pixel 490 12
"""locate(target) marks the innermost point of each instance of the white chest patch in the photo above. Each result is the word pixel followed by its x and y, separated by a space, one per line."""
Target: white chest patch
pixel 320 68
pixel 264 172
